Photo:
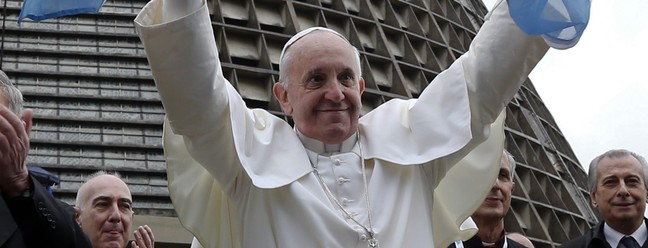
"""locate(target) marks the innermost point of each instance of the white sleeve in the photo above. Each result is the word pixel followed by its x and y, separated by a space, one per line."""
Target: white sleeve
pixel 453 117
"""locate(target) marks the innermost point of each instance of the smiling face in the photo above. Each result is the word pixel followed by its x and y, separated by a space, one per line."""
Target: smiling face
pixel 323 88
pixel 498 200
pixel 620 192
pixel 104 211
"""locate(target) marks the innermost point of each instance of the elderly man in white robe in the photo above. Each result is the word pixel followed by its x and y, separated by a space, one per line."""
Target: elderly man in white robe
pixel 241 177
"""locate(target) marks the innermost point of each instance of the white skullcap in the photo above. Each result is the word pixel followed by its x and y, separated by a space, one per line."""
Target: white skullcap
pixel 303 33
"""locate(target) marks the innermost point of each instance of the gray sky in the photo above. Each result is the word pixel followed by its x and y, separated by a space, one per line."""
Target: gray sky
pixel 597 91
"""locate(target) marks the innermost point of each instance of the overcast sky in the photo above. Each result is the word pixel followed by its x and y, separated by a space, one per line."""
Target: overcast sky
pixel 598 90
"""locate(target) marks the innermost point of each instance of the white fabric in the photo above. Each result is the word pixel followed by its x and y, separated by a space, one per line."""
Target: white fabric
pixel 195 243
pixel 242 178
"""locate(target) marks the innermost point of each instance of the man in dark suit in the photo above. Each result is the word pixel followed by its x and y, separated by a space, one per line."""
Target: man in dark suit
pixel 617 185
pixel 489 217
pixel 29 216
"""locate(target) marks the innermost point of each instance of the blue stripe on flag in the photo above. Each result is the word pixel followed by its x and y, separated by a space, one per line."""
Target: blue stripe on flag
pixel 39 10
pixel 560 22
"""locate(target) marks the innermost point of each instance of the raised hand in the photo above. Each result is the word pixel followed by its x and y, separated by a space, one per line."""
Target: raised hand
pixel 143 237
pixel 14 146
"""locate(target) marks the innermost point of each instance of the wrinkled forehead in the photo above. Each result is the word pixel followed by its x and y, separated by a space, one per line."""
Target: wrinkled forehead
pixel 303 33
pixel 106 185
pixel 619 165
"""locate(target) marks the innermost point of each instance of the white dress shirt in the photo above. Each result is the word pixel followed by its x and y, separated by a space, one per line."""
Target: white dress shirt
pixel 613 237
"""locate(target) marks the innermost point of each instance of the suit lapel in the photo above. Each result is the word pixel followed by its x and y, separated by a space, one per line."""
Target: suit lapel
pixel 7 228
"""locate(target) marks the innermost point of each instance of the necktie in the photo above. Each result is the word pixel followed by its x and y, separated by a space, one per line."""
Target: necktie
pixel 628 242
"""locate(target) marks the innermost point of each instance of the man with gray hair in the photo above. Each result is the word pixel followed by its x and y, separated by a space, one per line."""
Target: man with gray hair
pixel 29 215
pixel 489 217
pixel 104 209
pixel 618 189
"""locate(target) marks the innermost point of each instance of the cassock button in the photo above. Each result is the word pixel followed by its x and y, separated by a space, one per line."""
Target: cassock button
pixel 345 201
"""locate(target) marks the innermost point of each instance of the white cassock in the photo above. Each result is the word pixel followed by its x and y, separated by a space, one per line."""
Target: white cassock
pixel 242 177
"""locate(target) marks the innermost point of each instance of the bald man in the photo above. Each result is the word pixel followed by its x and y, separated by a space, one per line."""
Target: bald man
pixel 104 210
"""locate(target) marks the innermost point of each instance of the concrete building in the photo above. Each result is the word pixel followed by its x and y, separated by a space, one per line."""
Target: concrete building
pixel 96 106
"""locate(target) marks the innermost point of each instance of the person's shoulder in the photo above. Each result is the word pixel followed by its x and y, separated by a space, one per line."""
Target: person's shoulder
pixel 519 240
pixel 514 244
pixel 591 238
pixel 578 242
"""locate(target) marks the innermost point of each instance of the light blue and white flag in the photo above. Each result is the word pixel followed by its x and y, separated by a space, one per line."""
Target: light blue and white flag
pixel 39 10
pixel 560 22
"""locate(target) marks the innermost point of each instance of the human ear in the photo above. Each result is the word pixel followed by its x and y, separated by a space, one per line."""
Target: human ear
pixel 77 213
pixel 281 94
pixel 27 117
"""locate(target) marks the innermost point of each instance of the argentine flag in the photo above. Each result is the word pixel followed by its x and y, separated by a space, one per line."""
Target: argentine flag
pixel 560 22
pixel 39 10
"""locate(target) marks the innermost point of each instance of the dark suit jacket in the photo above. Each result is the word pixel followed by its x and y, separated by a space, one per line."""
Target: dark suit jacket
pixel 39 221
pixel 594 238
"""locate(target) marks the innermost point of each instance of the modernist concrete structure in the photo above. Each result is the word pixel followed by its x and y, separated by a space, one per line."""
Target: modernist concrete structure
pixel 96 106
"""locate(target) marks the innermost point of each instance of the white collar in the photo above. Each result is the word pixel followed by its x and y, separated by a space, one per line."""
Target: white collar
pixel 613 237
pixel 326 149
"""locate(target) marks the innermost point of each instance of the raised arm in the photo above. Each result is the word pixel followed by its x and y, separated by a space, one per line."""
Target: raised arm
pixel 454 113
pixel 217 129
pixel 453 116
pixel 184 62
pixel 210 137
pixel 500 58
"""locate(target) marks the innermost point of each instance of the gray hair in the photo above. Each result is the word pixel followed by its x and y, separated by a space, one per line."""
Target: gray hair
pixel 81 190
pixel 284 57
pixel 511 162
pixel 13 95
pixel 592 174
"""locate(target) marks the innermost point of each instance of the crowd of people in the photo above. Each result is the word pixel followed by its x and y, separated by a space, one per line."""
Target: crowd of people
pixel 241 177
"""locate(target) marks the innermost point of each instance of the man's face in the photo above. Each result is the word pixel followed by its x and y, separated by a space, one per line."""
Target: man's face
pixel 498 200
pixel 106 214
pixel 324 88
pixel 620 193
